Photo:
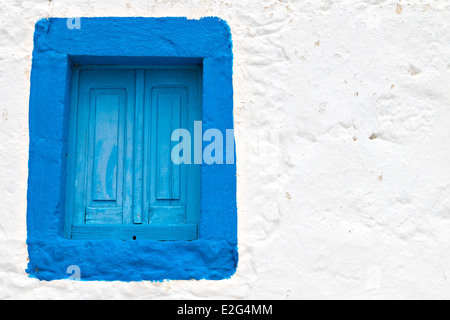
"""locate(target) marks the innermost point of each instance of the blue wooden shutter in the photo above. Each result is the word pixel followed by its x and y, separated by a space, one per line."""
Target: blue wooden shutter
pixel 105 116
pixel 173 194
pixel 125 183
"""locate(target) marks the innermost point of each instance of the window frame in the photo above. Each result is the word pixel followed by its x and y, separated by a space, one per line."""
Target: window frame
pixel 136 41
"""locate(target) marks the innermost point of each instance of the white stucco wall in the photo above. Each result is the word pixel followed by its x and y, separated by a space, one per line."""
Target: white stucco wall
pixel 342 115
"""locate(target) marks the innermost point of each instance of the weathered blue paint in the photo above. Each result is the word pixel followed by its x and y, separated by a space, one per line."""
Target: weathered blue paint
pixel 137 41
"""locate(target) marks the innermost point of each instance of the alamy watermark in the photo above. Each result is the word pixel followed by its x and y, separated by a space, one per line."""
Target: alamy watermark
pixel 73 23
pixel 75 273
pixel 216 147
pixel 213 153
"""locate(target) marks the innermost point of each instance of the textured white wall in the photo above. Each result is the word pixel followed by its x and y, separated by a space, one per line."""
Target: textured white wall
pixel 342 114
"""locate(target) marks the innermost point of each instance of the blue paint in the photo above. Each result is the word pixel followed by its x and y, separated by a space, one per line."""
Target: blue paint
pixel 137 41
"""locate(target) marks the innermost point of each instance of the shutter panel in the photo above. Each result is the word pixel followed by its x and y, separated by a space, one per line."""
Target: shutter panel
pixel 169 108
pixel 105 156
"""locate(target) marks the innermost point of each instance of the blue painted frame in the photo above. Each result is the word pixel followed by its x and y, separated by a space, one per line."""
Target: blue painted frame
pixel 126 41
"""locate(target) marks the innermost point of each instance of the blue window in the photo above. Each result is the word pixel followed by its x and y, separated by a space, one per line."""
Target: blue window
pixel 122 181
pixel 104 197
